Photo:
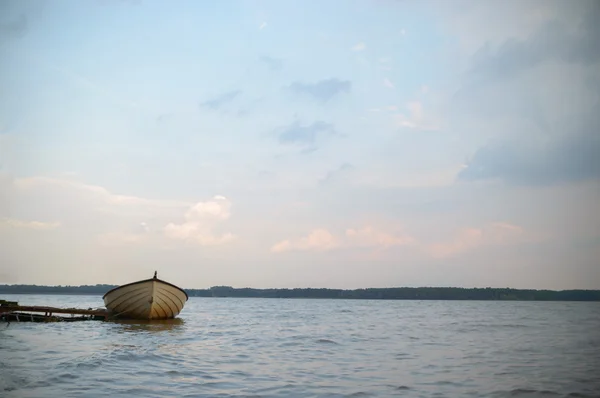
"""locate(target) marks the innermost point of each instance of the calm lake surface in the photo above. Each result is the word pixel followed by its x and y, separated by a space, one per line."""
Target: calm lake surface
pixel 310 348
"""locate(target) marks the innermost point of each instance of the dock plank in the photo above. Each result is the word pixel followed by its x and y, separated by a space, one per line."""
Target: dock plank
pixel 54 310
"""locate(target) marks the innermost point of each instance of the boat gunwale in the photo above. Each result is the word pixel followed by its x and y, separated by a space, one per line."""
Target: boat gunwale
pixel 144 281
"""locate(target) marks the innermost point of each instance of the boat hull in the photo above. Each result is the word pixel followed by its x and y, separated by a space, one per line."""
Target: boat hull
pixel 148 299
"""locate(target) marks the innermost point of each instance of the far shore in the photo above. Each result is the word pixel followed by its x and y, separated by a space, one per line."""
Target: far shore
pixel 395 293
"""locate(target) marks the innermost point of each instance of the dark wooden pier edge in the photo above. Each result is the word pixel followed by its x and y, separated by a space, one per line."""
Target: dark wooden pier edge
pixel 11 311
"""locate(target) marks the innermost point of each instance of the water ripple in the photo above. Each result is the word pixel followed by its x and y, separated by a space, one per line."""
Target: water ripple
pixel 311 348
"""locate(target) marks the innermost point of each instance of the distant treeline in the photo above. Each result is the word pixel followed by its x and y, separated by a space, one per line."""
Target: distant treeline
pixel 40 289
pixel 399 293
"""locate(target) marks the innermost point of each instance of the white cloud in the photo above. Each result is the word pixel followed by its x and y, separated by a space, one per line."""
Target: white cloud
pixel 317 240
pixel 218 208
pixel 262 26
pixel 469 239
pixel 464 240
pixel 322 240
pixel 94 212
pixel 359 47
pixel 33 183
pixel 35 225
pixel 200 223
pixel 370 237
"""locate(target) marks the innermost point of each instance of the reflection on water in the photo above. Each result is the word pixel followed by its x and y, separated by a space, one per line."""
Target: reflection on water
pixel 310 348
pixel 162 325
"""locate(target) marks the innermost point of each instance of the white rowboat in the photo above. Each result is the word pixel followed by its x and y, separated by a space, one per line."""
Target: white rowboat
pixel 147 299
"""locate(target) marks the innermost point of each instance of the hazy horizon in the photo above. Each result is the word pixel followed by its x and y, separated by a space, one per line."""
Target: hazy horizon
pixel 268 144
pixel 283 288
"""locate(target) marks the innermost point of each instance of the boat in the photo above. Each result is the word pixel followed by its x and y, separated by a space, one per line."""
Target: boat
pixel 148 299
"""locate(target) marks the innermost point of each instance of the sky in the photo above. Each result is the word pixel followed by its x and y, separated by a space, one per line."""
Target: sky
pixel 340 144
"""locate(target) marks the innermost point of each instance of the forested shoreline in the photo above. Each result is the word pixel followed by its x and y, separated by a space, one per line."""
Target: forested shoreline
pixel 397 293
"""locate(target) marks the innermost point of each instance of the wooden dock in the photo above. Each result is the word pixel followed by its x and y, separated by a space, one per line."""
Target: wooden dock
pixel 11 311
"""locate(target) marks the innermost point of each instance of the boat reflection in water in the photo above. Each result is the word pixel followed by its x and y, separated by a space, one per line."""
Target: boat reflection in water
pixel 148 299
pixel 152 326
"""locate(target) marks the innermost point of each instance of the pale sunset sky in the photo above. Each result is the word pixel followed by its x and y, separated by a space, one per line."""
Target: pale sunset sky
pixel 340 144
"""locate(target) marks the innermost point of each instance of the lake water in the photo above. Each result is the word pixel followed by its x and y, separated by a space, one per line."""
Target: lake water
pixel 310 348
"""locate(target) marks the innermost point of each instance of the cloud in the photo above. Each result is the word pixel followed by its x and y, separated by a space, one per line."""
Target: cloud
pixel 317 240
pixel 464 240
pixel 305 136
pixel 97 216
pixel 323 240
pixel 474 23
pixel 535 94
pixel 416 118
pixel 388 83
pixel 570 157
pixel 262 26
pixel 370 237
pixel 359 47
pixel 274 64
pixel 553 41
pixel 86 214
pixel 101 193
pixel 469 239
pixel 220 100
pixel 200 223
pixel 34 225
pixel 14 29
pixel 323 90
